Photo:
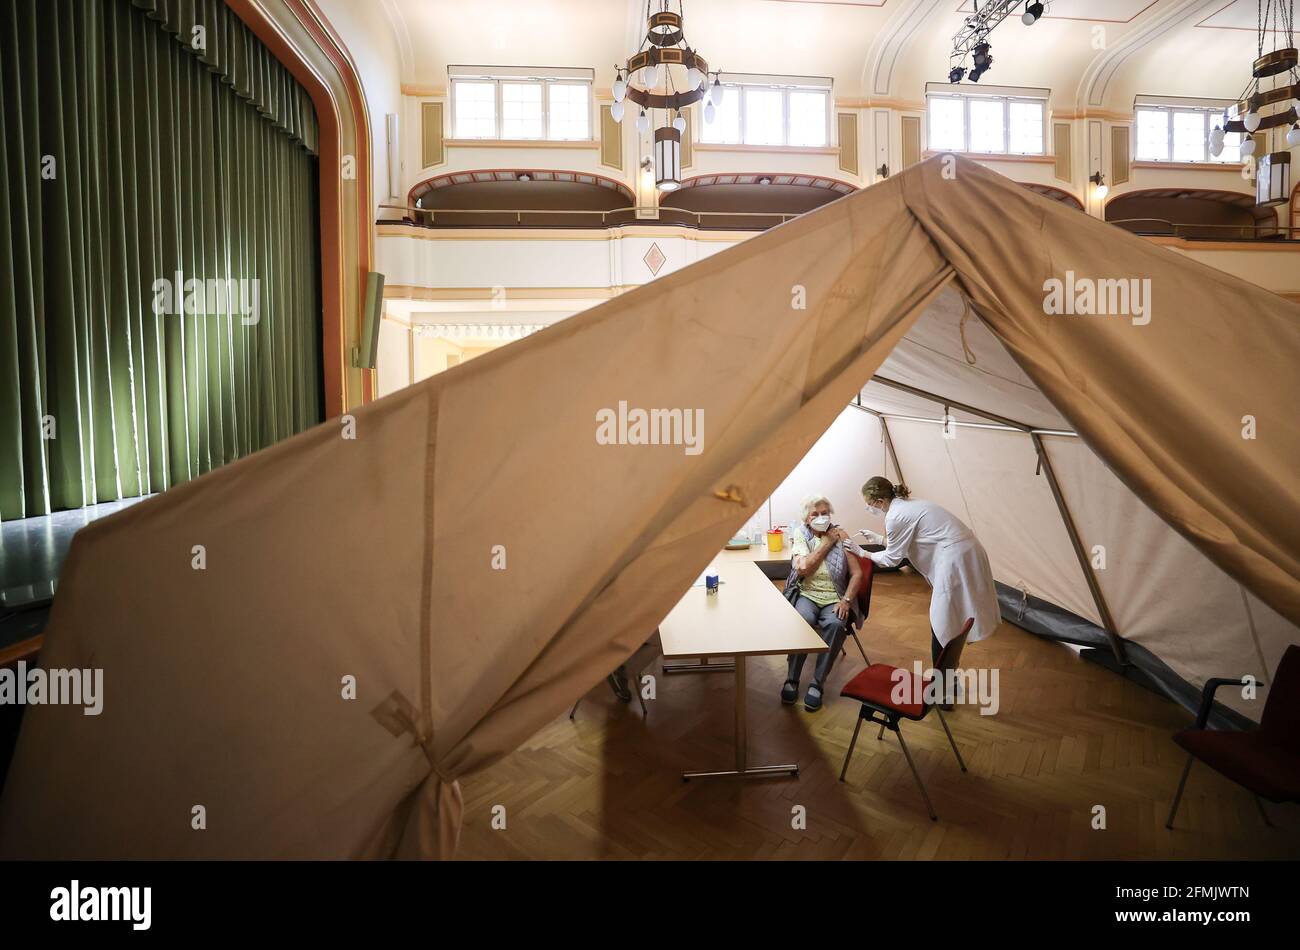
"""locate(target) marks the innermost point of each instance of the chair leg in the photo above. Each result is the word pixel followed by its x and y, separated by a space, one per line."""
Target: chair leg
pixel 645 713
pixel 881 734
pixel 848 755
pixel 1178 796
pixel 1262 814
pixel 944 723
pixel 916 775
pixel 859 643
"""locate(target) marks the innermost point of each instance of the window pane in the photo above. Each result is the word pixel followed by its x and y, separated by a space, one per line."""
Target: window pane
pixel 1152 135
pixel 764 121
pixel 807 118
pixel 476 110
pixel 521 110
pixel 1026 128
pixel 725 127
pixel 947 119
pixel 1189 137
pixel 570 113
pixel 986 132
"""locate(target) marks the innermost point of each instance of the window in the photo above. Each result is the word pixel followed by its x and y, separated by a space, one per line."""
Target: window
pixel 570 111
pixel 1168 134
pixel 777 116
pixel 987 124
pixel 476 110
pixel 521 110
pixel 524 108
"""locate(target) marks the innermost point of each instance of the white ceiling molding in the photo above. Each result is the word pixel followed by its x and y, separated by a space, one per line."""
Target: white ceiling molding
pixel 402 33
pixel 505 333
pixel 1097 77
pixel 892 41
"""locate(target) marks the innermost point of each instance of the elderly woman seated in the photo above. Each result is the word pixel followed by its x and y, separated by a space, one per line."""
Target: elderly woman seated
pixel 823 583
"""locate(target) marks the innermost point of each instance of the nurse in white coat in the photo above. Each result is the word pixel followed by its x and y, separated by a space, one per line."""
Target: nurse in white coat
pixel 943 549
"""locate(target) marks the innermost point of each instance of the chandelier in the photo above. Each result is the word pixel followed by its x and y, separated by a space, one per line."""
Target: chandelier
pixel 1271 109
pixel 652 78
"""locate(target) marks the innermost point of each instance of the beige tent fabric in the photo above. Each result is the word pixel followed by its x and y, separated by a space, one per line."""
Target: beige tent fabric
pixel 372 557
pixel 1162 404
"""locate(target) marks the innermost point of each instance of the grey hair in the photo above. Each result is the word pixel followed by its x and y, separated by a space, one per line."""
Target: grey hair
pixel 812 501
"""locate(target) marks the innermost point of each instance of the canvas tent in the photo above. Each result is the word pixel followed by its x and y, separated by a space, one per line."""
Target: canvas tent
pixel 373 557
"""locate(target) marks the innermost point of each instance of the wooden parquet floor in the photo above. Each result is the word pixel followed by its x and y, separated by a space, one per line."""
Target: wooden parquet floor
pixel 1068 736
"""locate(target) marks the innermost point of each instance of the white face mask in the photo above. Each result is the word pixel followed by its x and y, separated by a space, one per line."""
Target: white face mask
pixel 821 522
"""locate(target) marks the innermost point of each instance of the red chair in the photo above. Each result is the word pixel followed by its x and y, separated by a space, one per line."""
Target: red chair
pixel 863 603
pixel 1265 761
pixel 874 688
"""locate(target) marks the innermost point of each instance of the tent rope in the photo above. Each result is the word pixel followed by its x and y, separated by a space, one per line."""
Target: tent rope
pixel 961 328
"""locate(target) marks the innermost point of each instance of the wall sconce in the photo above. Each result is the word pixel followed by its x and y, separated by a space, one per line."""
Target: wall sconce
pixel 883 171
pixel 1098 179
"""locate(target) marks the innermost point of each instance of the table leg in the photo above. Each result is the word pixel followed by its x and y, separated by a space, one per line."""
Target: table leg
pixel 742 742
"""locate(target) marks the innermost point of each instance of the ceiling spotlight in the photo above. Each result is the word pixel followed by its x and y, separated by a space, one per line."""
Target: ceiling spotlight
pixel 524 176
pixel 765 181
pixel 957 74
pixel 1032 13
pixel 982 57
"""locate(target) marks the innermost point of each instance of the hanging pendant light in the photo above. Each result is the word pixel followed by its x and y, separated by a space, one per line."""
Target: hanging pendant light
pixel 1264 108
pixel 668 159
pixel 616 110
pixel 643 123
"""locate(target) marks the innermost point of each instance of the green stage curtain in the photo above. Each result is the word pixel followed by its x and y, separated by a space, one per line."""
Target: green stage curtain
pixel 144 141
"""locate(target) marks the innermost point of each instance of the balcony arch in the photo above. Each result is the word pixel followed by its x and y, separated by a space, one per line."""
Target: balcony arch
pixel 520 197
pixel 748 200
pixel 1193 213
pixel 1054 193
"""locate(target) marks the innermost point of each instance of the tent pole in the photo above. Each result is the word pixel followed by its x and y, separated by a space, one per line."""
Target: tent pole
pixel 952 403
pixel 1108 623
pixel 889 444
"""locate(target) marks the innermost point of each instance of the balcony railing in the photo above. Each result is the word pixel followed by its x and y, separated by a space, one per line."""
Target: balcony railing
pixel 1159 227
pixel 613 217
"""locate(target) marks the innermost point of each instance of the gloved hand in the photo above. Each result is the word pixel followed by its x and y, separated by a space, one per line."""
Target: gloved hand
pixel 872 537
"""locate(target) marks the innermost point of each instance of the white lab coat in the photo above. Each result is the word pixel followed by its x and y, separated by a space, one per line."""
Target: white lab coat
pixel 952 560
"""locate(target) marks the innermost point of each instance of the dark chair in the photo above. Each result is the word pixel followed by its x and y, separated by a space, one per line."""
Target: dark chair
pixel 637 664
pixel 863 603
pixel 874 689
pixel 1264 761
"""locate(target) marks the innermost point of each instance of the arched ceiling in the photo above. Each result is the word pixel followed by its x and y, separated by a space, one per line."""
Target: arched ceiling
pixel 1092 54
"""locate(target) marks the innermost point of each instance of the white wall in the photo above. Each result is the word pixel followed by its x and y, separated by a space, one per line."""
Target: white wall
pixel 848 454
pixel 373 46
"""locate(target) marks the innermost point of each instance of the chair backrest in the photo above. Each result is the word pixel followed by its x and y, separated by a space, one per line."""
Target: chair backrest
pixel 1281 719
pixel 864 592
pixel 950 655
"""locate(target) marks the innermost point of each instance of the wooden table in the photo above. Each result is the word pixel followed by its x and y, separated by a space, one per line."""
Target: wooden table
pixel 747 617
